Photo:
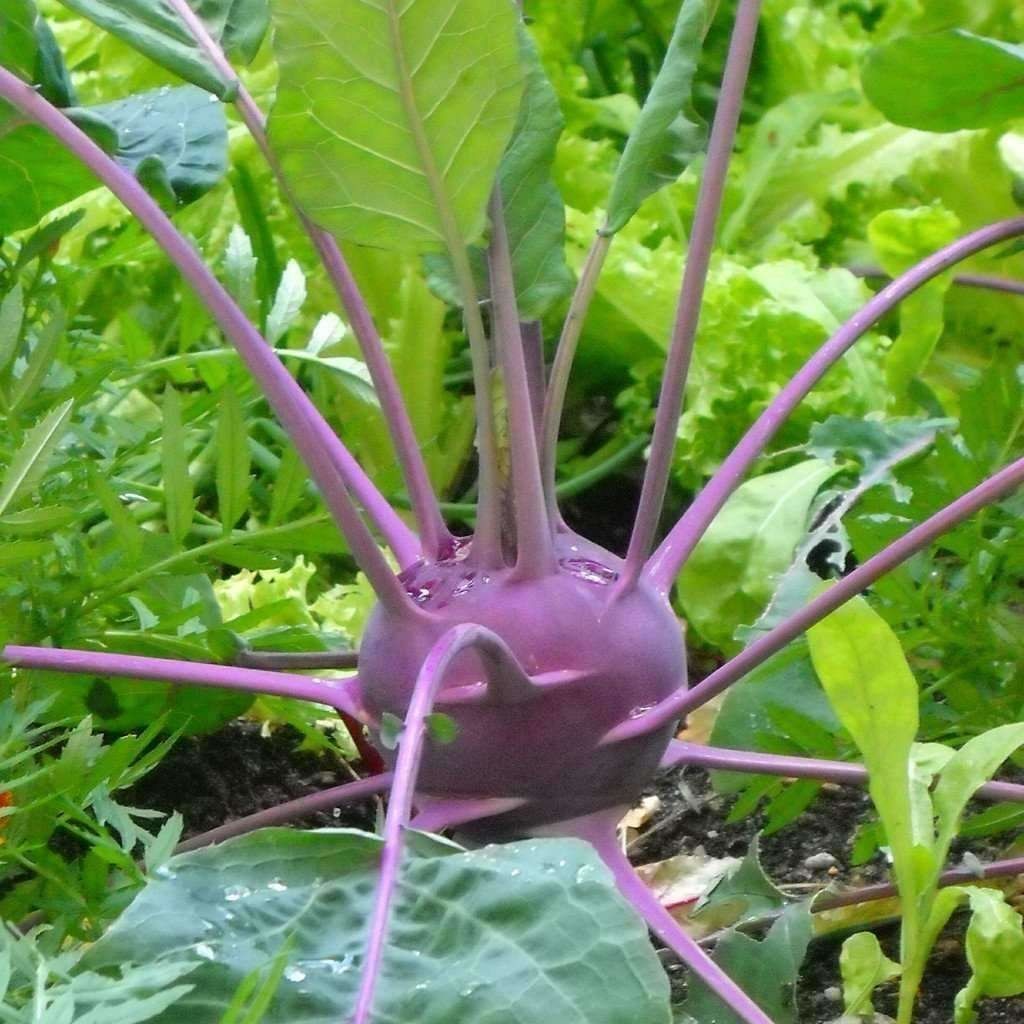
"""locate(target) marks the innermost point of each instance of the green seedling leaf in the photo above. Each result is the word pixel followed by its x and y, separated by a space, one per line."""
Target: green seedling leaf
pixel 291 294
pixel 391 729
pixel 40 361
pixel 233 461
pixel 178 491
pixel 524 930
pixel 31 459
pixel 668 134
pixel 995 951
pixel 731 575
pixel 864 967
pixel 442 728
pixel 240 269
pixel 946 81
pixel 973 764
pixel 157 31
pixel 391 119
pixel 861 665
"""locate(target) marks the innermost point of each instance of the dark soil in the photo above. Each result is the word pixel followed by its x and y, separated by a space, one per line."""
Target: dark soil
pixel 237 771
pixel 692 816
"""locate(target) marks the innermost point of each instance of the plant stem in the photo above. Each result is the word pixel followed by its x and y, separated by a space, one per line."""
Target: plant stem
pixel 487 538
pixel 434 535
pixel 410 756
pixel 534 552
pixel 842 772
pixel 995 487
pixel 329 461
pixel 293 810
pixel 698 258
pixel 599 831
pixel 561 368
pixel 986 282
pixel 342 694
pixel 665 564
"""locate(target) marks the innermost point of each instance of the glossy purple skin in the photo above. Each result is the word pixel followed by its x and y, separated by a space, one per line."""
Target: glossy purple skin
pixel 545 749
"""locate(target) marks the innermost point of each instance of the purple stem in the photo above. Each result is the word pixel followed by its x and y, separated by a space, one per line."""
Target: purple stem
pixel 698 258
pixel 434 534
pixel 599 831
pixel 342 694
pixel 886 890
pixel 534 549
pixel 915 540
pixel 987 282
pixel 293 661
pixel 329 461
pixel 842 772
pixel 671 555
pixel 532 333
pixel 443 814
pixel 410 755
pixel 291 811
pixel 561 368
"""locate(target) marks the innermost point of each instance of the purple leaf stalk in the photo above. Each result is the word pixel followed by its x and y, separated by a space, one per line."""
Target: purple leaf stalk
pixel 529 637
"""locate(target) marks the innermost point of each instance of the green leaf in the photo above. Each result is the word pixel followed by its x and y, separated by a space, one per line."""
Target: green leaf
pixel 745 892
pixel 732 573
pixel 178 492
pixel 12 315
pixel 946 81
pixel 291 294
pixel 971 766
pixel 155 30
pixel 767 970
pixel 668 134
pixel 18 39
pixel 517 933
pixel 900 238
pixel 240 269
pixel 443 728
pixel 391 119
pixel 46 239
pixel 40 361
pixel 177 137
pixel 233 461
pixel 865 673
pixel 864 967
pixel 534 212
pixel 31 459
pixel 995 951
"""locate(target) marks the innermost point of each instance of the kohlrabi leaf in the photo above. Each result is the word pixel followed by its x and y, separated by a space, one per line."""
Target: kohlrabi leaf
pixel 391 118
pixel 173 140
pixel 534 212
pixel 767 970
pixel 946 81
pixel 668 133
pixel 732 573
pixel 518 933
pixel 745 892
pixel 156 30
pixel 865 673
pixel 28 48
pixel 973 764
pixel 864 967
pixel 995 951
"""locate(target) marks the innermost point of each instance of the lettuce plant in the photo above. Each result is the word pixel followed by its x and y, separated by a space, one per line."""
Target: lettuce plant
pixel 427 128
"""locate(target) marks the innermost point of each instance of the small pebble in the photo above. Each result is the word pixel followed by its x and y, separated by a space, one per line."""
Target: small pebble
pixel 820 861
pixel 833 994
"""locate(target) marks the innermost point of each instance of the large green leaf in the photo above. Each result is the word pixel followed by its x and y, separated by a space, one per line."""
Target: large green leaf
pixel 534 211
pixel 155 30
pixel 668 134
pixel 529 932
pixel 391 119
pixel 946 81
pixel 732 573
